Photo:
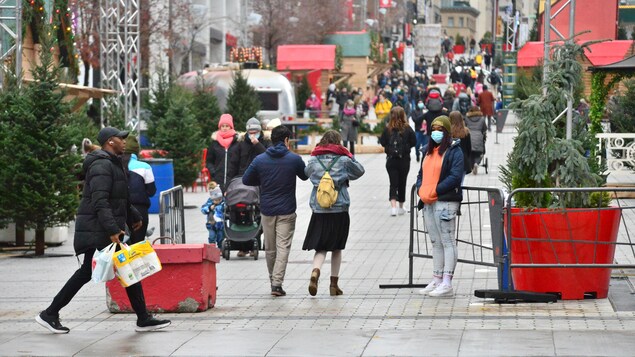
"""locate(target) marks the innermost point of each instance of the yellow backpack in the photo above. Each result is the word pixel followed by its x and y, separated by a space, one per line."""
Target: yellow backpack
pixel 326 193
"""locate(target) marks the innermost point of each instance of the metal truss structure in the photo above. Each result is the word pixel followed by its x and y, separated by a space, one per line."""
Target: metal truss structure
pixel 119 31
pixel 10 37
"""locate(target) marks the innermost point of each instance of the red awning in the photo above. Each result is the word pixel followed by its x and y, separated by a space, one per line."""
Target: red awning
pixel 599 54
pixel 306 57
pixel 608 52
pixel 230 41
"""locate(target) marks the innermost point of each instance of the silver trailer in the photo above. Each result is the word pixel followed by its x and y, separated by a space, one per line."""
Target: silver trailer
pixel 274 90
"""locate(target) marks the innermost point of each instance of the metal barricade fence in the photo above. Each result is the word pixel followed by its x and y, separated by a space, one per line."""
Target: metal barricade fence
pixel 479 232
pixel 565 253
pixel 172 214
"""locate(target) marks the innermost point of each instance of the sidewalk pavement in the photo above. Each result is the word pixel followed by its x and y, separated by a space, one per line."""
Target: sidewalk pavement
pixel 365 321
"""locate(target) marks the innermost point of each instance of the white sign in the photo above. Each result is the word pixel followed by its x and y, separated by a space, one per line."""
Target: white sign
pixel 409 60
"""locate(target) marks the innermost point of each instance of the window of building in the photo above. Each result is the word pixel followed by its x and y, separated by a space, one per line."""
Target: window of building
pixel 461 24
pixel 450 21
pixel 269 100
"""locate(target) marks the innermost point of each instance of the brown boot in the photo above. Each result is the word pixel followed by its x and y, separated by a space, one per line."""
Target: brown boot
pixel 313 283
pixel 335 290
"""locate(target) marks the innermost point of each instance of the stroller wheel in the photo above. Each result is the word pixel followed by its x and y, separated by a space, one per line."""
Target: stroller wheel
pixel 486 165
pixel 256 249
pixel 225 251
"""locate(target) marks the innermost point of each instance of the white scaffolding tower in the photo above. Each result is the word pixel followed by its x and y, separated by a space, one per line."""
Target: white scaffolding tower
pixel 119 27
pixel 10 36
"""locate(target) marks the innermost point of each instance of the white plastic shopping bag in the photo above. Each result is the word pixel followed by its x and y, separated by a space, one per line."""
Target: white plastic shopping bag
pixel 103 266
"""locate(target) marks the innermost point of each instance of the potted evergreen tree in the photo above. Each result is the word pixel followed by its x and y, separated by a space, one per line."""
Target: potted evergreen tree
pixel 542 158
pixel 459 44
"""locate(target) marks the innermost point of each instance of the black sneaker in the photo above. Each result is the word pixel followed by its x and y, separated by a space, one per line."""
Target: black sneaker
pixel 51 322
pixel 277 291
pixel 151 324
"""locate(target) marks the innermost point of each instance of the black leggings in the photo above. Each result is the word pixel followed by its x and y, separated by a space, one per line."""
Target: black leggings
pixel 398 175
pixel 352 142
pixel 83 276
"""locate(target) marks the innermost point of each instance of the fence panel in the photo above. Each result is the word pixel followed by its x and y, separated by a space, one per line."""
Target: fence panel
pixel 172 214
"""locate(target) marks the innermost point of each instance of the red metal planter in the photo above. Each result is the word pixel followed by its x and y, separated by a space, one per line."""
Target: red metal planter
pixel 574 236
pixel 187 282
pixel 458 49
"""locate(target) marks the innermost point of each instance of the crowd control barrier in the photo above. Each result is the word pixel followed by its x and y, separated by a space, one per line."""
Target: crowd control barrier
pixel 479 233
pixel 564 253
pixel 172 214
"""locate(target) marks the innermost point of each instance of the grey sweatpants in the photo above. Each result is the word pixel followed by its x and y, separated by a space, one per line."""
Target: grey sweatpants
pixel 441 224
pixel 278 233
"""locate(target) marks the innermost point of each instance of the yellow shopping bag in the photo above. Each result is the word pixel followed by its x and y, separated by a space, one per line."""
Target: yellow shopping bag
pixel 135 263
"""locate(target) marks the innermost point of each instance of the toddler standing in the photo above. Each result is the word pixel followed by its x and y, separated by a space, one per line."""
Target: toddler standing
pixel 214 208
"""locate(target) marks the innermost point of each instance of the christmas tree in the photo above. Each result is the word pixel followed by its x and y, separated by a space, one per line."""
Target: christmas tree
pixel 242 102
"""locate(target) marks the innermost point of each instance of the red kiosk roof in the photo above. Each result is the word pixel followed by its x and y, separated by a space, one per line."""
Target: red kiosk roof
pixel 306 57
pixel 599 54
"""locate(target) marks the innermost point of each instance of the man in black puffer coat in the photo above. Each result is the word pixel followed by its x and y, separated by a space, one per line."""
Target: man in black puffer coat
pixel 102 216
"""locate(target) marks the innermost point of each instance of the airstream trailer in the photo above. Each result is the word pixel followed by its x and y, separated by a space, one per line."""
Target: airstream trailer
pixel 274 90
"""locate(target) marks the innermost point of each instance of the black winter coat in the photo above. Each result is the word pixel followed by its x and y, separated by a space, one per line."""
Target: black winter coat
pixel 218 159
pixel 244 153
pixel 105 206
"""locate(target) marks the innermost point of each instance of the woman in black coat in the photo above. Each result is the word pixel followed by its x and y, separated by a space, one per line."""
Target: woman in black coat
pixel 397 139
pixel 220 150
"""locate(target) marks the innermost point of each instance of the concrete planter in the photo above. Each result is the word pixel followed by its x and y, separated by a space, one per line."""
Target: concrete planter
pixel 52 236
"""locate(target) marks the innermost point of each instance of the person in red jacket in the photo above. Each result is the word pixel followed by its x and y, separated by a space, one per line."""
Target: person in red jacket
pixel 486 101
pixel 313 104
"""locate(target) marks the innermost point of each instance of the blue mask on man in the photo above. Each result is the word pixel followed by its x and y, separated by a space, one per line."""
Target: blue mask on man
pixel 420 105
pixel 437 136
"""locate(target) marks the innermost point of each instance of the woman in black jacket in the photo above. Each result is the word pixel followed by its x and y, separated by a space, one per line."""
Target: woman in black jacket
pixel 397 139
pixel 220 150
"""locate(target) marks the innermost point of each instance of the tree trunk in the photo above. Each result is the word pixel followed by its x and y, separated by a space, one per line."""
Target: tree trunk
pixel 39 241
pixel 19 234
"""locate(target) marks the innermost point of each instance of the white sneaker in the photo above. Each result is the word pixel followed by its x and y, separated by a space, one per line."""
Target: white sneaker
pixel 393 211
pixel 431 286
pixel 442 290
pixel 401 211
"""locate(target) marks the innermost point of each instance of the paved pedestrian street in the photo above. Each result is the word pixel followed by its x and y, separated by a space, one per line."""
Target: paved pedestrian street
pixel 365 321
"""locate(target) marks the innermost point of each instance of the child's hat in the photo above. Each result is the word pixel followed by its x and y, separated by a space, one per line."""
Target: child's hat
pixel 216 193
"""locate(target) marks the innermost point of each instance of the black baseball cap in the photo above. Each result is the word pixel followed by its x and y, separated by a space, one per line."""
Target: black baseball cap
pixel 108 132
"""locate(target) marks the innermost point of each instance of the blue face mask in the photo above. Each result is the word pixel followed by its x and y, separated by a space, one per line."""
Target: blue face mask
pixel 420 105
pixel 437 136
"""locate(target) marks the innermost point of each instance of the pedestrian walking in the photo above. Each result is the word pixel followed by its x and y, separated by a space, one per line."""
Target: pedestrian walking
pixel 475 121
pixel 418 117
pixel 329 226
pixel 220 150
pixel 486 102
pixel 141 185
pixel 462 134
pixel 349 125
pixel 439 189
pixel 275 171
pixel 398 139
pixel 103 213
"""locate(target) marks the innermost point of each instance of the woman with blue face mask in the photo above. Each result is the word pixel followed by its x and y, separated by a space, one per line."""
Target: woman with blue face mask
pixel 439 189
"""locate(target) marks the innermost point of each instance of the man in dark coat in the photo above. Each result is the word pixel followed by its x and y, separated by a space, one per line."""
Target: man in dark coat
pixel 275 172
pixel 102 216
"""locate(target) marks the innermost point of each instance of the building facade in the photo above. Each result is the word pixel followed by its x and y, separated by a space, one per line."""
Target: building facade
pixel 459 17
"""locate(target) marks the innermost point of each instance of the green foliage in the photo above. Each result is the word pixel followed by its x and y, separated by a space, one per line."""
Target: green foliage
pixel 39 171
pixel 158 102
pixel 459 40
pixel 243 102
pixel 622 110
pixel 339 58
pixel 304 92
pixel 206 111
pixel 534 35
pixel 179 134
pixel 540 157
pixel 528 84
pixel 487 38
pixel 621 33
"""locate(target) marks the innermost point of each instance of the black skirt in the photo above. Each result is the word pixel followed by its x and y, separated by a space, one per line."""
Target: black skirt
pixel 327 231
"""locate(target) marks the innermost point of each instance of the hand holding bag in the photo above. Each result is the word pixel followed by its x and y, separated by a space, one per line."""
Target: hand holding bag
pixel 103 266
pixel 135 263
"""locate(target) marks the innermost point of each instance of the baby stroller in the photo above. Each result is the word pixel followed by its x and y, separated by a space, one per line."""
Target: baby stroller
pixel 242 218
pixel 482 160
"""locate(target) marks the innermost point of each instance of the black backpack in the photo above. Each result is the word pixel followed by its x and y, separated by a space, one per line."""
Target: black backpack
pixel 395 147
pixel 464 104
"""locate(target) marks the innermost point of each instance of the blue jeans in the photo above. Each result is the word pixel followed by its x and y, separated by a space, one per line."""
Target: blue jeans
pixel 215 236
pixel 422 140
pixel 440 221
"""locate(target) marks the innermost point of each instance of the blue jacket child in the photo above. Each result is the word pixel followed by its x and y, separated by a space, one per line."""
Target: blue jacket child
pixel 214 208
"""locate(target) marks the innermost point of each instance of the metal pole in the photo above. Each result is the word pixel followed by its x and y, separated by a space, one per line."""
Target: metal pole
pixel 569 133
pixel 547 19
pixel 18 42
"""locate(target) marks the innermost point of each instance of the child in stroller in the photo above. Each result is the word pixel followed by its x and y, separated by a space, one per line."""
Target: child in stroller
pixel 242 224
pixel 214 208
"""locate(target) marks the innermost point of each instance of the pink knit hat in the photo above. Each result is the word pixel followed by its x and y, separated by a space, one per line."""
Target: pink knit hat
pixel 226 119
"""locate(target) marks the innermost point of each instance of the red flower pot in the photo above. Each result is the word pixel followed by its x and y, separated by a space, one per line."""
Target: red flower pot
pixel 459 49
pixel 574 236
